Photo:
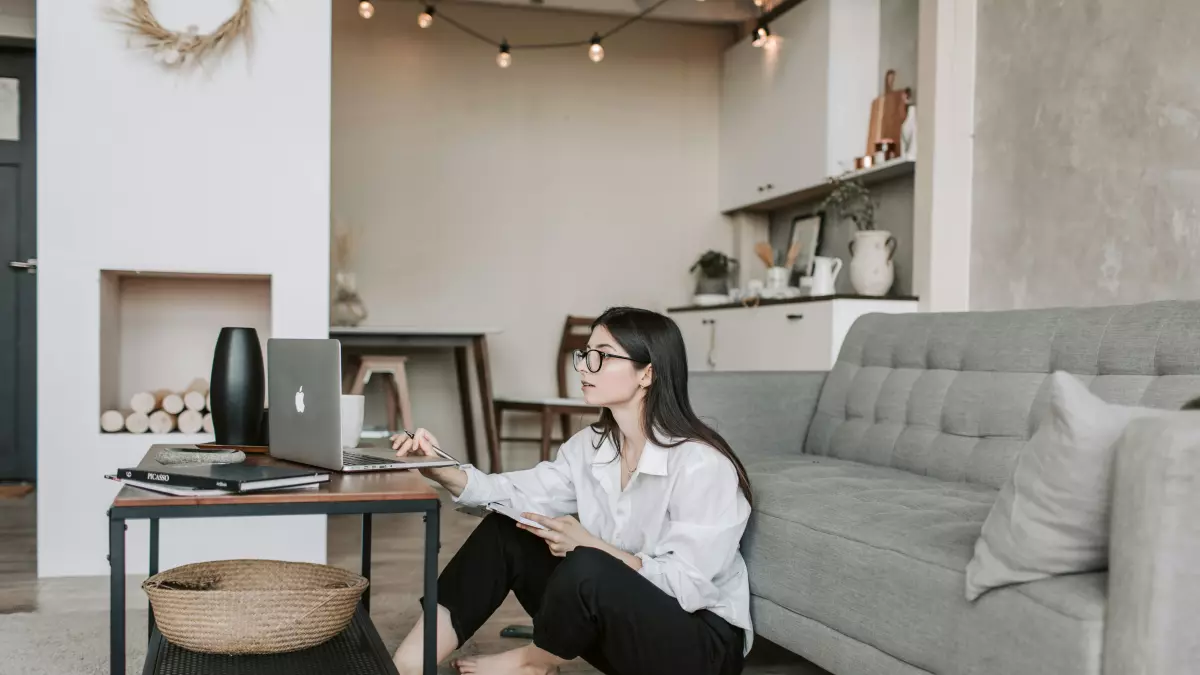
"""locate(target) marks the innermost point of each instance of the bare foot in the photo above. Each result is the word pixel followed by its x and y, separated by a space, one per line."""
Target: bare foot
pixel 512 662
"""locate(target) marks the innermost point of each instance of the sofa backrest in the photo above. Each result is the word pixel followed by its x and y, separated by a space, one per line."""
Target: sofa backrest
pixel 957 395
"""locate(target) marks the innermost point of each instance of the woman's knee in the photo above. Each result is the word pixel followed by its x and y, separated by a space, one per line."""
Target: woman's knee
pixel 583 569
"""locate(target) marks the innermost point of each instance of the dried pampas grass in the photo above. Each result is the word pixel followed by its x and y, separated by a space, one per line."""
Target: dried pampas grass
pixel 175 48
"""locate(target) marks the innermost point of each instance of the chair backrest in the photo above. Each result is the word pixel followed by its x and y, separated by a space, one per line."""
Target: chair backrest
pixel 956 396
pixel 576 331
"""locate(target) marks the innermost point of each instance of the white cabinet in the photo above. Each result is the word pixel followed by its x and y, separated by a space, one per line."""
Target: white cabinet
pixel 794 110
pixel 804 335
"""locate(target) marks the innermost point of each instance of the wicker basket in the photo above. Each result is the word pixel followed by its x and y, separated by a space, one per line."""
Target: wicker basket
pixel 252 606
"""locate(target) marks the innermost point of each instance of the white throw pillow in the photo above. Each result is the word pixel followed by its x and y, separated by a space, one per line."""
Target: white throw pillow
pixel 1051 517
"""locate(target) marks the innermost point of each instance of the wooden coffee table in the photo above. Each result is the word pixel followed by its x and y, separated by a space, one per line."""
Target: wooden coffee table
pixel 358 649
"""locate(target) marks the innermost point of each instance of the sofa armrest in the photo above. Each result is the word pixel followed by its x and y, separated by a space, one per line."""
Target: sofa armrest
pixel 1152 623
pixel 760 414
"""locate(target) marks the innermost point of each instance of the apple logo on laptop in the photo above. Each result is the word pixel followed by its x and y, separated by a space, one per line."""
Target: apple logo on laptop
pixel 300 400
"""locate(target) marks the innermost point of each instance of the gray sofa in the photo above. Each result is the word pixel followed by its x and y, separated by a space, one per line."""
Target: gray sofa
pixel 872 482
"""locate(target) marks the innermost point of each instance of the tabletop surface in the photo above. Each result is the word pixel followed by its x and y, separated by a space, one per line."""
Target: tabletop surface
pixel 469 331
pixel 366 486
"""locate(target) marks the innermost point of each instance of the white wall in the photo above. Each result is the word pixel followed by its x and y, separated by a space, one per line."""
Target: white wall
pixel 142 169
pixel 511 198
pixel 945 155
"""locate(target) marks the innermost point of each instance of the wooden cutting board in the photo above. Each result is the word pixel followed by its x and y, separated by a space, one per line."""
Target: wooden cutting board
pixel 887 113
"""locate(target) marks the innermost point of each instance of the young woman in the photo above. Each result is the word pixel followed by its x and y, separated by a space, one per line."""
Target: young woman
pixel 649 579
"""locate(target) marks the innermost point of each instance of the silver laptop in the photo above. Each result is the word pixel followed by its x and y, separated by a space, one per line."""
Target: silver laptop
pixel 304 384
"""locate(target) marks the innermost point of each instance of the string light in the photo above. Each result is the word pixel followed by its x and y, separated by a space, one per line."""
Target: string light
pixel 761 35
pixel 504 57
pixel 365 9
pixel 596 51
pixel 426 18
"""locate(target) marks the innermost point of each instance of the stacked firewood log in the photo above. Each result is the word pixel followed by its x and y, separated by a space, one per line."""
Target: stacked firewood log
pixel 163 411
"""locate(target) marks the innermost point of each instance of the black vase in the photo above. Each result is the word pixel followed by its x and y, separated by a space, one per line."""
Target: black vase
pixel 237 387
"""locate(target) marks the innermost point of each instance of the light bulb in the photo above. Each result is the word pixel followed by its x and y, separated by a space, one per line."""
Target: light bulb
pixel 426 18
pixel 365 9
pixel 761 35
pixel 596 51
pixel 758 3
pixel 504 58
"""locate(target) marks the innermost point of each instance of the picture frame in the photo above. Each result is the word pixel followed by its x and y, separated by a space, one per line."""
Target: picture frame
pixel 807 229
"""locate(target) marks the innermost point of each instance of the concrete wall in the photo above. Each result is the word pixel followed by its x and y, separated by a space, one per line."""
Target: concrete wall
pixel 1087 153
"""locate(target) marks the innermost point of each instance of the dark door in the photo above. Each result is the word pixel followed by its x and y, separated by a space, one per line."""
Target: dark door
pixel 18 264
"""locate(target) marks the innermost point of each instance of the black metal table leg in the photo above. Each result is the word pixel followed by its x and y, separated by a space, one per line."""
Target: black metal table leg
pixel 366 559
pixel 153 546
pixel 153 571
pixel 432 542
pixel 116 590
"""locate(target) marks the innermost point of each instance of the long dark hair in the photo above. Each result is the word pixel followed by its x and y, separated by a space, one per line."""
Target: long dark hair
pixel 651 338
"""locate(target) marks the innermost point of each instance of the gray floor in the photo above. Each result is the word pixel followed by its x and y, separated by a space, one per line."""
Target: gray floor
pixel 60 626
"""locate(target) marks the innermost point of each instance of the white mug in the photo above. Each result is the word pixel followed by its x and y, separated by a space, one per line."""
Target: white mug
pixel 353 406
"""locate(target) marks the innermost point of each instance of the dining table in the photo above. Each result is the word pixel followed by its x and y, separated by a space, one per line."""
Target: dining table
pixel 468 344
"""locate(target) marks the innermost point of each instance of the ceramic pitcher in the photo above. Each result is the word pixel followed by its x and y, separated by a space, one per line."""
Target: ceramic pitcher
pixel 824 276
pixel 871 269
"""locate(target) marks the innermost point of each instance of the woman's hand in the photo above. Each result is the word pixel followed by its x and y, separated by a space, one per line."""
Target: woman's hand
pixel 421 444
pixel 562 534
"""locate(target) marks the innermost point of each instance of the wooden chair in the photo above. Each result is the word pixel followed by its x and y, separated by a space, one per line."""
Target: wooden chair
pixel 395 386
pixel 576 331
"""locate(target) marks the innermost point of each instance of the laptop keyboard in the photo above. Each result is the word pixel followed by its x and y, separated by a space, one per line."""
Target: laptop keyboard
pixel 355 459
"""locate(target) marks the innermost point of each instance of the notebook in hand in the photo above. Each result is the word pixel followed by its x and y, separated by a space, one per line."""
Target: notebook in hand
pixel 226 477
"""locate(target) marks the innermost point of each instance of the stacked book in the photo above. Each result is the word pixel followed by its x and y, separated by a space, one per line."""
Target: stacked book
pixel 210 480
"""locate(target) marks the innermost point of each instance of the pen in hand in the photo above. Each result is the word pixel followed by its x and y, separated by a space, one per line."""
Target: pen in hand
pixel 439 451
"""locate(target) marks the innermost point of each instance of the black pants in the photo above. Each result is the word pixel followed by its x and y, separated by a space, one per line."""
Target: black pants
pixel 587 604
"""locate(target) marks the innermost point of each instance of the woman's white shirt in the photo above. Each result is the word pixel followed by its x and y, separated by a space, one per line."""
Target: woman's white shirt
pixel 682 514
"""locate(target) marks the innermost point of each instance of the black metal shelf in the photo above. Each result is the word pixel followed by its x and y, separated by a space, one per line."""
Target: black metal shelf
pixel 358 650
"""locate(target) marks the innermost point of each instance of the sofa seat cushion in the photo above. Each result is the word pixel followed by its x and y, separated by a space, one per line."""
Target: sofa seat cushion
pixel 879 555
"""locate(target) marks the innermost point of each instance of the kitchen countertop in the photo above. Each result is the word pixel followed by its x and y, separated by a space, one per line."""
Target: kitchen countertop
pixel 762 302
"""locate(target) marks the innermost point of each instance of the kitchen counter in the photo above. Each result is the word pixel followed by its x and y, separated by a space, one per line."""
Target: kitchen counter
pixel 763 302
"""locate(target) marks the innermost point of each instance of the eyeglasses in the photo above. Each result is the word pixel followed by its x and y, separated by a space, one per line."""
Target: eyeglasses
pixel 594 359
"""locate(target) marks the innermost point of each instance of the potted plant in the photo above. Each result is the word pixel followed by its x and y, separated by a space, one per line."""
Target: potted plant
pixel 850 200
pixel 714 268
pixel 346 307
pixel 871 250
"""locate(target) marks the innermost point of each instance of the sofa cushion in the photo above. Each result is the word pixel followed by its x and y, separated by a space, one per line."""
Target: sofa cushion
pixel 1052 515
pixel 879 555
pixel 956 396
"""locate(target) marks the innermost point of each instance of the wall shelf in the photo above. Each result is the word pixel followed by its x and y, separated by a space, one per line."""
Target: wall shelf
pixel 891 169
pixel 158 330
